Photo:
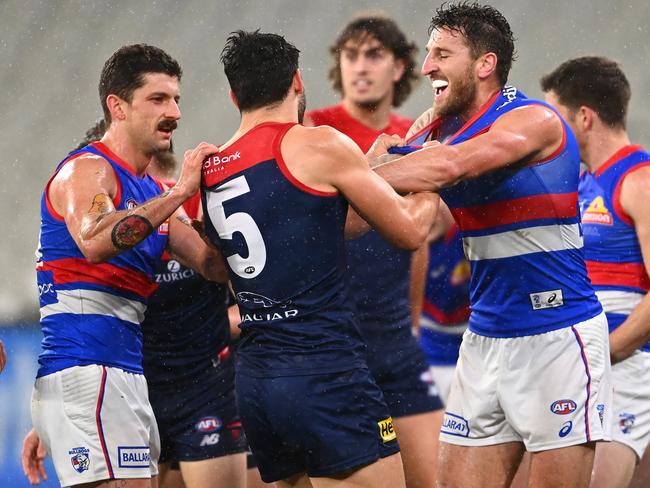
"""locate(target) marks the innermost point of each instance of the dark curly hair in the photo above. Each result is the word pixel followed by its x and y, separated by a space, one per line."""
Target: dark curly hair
pixel 595 82
pixel 386 31
pixel 124 72
pixel 259 67
pixel 485 29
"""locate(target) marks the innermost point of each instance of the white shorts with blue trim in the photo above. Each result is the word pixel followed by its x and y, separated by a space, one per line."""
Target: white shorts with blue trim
pixel 631 411
pixel 548 390
pixel 97 424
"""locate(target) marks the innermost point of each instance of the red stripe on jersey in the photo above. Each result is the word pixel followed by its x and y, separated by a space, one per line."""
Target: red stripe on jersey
pixel 617 156
pixel 73 270
pixel 616 197
pixel 98 421
pixel 618 274
pixel 446 318
pixel 545 206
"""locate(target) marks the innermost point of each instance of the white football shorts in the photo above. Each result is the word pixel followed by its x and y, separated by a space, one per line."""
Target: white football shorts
pixel 97 424
pixel 631 411
pixel 548 390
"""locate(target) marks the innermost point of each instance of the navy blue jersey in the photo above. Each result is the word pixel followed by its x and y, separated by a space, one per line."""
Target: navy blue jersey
pixel 283 243
pixel 185 327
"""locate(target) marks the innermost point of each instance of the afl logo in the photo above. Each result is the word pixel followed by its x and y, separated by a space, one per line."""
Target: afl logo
pixel 208 424
pixel 249 270
pixel 563 407
pixel 173 266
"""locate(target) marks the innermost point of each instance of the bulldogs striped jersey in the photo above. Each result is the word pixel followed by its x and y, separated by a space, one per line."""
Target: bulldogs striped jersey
pixel 612 250
pixel 445 308
pixel 283 244
pixel 521 233
pixel 91 313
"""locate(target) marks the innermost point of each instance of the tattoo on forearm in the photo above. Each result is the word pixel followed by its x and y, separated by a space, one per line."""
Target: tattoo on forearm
pixel 130 231
pixel 184 220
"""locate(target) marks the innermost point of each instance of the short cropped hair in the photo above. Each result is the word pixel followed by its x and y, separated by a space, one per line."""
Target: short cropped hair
pixel 389 35
pixel 484 28
pixel 595 82
pixel 124 72
pixel 260 67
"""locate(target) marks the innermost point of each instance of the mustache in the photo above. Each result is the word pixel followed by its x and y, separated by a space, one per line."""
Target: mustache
pixel 167 125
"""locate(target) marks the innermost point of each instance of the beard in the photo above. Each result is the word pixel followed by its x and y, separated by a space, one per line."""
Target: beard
pixel 302 106
pixel 460 99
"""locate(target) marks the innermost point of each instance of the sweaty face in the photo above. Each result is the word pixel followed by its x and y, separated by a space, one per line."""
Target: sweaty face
pixel 449 65
pixel 369 71
pixel 153 112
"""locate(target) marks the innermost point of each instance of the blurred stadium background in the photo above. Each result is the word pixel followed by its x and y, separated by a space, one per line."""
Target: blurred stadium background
pixel 52 51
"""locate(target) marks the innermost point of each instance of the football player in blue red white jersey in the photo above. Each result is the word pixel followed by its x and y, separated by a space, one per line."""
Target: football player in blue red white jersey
pixel 275 201
pixel 592 94
pixel 104 225
pixel 508 167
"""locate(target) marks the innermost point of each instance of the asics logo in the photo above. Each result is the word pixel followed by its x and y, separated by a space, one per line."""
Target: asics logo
pixel 45 288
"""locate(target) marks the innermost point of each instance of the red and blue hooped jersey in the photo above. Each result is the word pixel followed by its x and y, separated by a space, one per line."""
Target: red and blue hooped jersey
pixel 521 232
pixel 612 251
pixel 283 243
pixel 91 313
pixel 445 308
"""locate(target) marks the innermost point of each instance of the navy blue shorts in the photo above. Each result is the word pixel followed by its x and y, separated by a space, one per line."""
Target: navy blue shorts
pixel 398 372
pixel 320 424
pixel 199 421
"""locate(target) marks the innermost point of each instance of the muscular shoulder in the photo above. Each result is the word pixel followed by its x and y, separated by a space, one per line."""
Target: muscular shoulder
pixel 322 116
pixel 88 170
pixel 635 192
pixel 317 142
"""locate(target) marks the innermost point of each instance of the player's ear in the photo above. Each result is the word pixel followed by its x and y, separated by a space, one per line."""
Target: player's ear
pixel 233 98
pixel 398 70
pixel 116 106
pixel 486 65
pixel 297 84
pixel 585 117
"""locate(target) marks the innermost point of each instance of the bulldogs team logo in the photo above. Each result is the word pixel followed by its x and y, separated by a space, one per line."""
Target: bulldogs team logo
pixel 626 422
pixel 563 407
pixel 79 459
pixel 131 204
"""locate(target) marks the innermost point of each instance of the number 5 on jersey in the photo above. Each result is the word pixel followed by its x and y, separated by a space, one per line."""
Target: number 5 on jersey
pixel 252 265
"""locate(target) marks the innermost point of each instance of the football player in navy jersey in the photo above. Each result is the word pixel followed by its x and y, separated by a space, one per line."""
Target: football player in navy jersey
pixel 104 225
pixel 275 200
pixel 508 167
pixel 592 94
pixel 374 70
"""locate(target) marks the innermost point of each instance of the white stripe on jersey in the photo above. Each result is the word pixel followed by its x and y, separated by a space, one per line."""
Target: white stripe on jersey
pixel 618 301
pixel 518 242
pixel 95 302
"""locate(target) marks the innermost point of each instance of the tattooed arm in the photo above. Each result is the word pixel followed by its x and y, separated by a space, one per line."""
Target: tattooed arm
pixel 83 191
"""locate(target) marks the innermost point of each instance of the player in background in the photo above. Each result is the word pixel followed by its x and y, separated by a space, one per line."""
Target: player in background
pixel 592 94
pixel 445 307
pixel 374 71
pixel 104 225
pixel 533 372
pixel 3 357
pixel 276 202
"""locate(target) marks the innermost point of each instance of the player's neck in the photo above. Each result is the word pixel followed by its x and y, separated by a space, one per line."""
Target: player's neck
pixel 283 113
pixel 376 117
pixel 484 91
pixel 602 145
pixel 127 151
pixel 159 173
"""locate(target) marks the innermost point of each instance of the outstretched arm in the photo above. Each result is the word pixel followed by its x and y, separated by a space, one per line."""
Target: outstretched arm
pixel 635 331
pixel 83 191
pixel 329 160
pixel 523 135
